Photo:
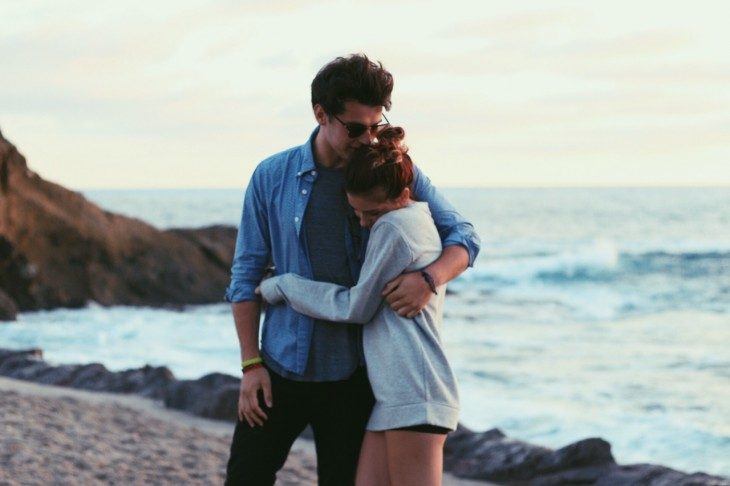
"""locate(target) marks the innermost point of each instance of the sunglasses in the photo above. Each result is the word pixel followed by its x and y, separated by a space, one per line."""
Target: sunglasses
pixel 354 130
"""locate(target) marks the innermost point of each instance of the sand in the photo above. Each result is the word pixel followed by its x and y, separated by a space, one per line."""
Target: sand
pixel 54 435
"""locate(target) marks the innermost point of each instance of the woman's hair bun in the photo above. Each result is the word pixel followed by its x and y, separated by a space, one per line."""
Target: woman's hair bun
pixel 390 145
pixel 384 164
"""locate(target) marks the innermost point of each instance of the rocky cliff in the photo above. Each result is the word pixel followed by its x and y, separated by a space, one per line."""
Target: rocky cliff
pixel 57 249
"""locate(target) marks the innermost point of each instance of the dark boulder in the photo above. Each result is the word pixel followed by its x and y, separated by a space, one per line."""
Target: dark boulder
pixel 148 381
pixel 491 456
pixel 501 460
pixel 586 452
pixel 212 396
pixel 653 475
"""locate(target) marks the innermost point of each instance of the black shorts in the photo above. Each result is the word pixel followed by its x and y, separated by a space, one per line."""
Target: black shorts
pixel 426 428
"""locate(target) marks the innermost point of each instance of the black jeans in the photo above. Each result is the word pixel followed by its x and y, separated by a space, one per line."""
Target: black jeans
pixel 337 411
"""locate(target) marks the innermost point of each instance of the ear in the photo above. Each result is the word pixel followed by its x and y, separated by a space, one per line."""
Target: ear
pixel 405 195
pixel 319 114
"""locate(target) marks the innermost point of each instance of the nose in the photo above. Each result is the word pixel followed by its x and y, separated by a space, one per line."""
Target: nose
pixel 367 137
pixel 365 221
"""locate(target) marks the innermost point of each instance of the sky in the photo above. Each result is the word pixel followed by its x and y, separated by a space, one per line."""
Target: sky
pixel 183 94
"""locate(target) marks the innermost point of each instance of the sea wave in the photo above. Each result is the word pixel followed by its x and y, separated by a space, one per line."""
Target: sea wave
pixel 600 260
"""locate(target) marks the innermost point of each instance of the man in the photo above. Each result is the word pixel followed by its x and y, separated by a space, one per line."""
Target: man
pixel 295 216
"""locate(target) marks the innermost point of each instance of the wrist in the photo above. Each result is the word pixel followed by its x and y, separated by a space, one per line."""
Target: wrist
pixel 428 278
pixel 252 363
pixel 251 367
pixel 250 353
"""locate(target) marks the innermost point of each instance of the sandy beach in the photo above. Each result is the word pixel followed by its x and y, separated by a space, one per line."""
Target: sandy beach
pixel 54 435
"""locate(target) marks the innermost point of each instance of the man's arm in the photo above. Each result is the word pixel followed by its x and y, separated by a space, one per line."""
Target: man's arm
pixel 246 316
pixel 407 294
pixel 249 262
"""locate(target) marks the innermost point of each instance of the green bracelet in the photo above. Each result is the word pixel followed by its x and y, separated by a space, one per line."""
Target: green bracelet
pixel 252 361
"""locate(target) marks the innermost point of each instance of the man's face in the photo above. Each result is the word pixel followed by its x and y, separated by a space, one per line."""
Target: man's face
pixel 336 133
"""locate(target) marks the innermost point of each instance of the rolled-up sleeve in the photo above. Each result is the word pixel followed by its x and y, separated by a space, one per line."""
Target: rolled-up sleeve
pixel 453 228
pixel 253 248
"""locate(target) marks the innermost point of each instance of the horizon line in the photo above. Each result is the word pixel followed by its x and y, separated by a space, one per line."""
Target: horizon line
pixel 571 186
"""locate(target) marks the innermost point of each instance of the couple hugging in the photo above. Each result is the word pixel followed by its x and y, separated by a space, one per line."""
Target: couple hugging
pixel 362 246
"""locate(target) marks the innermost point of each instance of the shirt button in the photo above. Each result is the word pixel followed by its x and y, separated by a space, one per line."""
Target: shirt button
pixel 296 219
pixel 304 191
pixel 314 172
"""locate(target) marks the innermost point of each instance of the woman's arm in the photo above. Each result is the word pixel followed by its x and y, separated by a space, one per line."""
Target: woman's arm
pixel 387 255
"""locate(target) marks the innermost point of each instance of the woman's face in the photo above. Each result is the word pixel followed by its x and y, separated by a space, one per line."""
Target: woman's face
pixel 372 206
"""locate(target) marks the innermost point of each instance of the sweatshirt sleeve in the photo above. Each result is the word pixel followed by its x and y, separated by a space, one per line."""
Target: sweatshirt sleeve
pixel 387 255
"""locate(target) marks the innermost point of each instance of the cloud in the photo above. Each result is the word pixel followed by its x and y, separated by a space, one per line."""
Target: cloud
pixel 521 24
pixel 675 73
pixel 627 46
pixel 232 78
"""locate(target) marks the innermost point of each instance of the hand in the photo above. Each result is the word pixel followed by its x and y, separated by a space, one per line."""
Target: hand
pixel 249 408
pixel 407 294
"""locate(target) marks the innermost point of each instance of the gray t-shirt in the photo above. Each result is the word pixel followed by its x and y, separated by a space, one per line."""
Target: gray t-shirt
pixel 335 350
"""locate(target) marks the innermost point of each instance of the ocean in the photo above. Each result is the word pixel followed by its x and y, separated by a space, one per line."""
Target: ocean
pixel 589 313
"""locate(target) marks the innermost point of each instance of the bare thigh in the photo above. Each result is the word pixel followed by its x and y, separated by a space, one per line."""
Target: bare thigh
pixel 414 458
pixel 372 467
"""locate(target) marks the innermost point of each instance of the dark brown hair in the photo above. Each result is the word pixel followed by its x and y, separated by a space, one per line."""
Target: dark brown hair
pixel 385 164
pixel 352 78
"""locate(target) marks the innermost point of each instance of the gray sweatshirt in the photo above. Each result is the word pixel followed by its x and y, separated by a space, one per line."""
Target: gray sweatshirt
pixel 408 370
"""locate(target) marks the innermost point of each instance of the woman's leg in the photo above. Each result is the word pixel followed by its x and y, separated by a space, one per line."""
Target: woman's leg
pixel 415 458
pixel 372 467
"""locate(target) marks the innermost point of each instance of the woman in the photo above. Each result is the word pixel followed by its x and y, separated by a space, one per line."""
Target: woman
pixel 414 387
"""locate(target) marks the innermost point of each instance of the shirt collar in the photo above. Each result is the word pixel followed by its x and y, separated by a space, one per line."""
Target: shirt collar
pixel 307 161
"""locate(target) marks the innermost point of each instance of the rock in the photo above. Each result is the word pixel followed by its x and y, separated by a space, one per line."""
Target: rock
pixel 214 241
pixel 579 476
pixel 212 396
pixel 11 353
pixel 15 279
pixel 148 381
pixel 463 440
pixel 57 249
pixel 587 452
pixel 8 309
pixel 653 475
pixel 501 460
pixel 491 456
pixel 22 364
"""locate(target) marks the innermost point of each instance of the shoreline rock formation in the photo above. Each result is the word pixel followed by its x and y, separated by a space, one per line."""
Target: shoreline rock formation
pixel 487 456
pixel 57 249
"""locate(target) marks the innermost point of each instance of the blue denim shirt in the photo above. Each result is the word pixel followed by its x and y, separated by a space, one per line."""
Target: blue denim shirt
pixel 271 233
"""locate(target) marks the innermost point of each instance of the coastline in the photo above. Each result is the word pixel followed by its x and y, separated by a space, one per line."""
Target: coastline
pixel 55 434
pixel 141 406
